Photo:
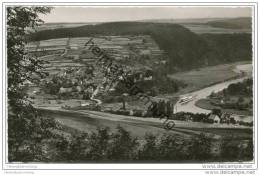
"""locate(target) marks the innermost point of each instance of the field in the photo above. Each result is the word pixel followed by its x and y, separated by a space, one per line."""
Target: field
pixel 128 50
pixel 206 28
pixel 118 47
pixel 203 77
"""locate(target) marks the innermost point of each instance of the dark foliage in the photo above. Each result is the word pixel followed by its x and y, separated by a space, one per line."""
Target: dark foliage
pixel 120 146
pixel 226 48
pixel 244 88
pixel 235 23
pixel 26 130
pixel 200 148
pixel 232 150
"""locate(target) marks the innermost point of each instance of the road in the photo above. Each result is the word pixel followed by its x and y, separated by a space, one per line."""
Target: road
pixel 89 121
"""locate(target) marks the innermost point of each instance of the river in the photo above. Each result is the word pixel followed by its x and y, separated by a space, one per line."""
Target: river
pixel 203 93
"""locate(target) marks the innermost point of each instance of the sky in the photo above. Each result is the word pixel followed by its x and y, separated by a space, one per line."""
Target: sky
pixel 107 14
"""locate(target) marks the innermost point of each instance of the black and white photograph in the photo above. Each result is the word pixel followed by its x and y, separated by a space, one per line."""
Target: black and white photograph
pixel 110 84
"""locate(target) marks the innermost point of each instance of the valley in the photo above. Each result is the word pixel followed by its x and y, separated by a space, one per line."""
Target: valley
pixel 70 53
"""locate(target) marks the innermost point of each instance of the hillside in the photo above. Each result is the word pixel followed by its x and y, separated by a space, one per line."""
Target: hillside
pixel 226 48
pixel 234 23
pixel 185 49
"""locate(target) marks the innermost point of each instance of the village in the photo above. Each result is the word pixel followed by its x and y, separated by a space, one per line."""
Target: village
pixel 75 82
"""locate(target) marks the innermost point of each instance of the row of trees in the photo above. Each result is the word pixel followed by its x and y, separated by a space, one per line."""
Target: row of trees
pixel 26 129
pixel 244 88
pixel 236 96
pixel 121 146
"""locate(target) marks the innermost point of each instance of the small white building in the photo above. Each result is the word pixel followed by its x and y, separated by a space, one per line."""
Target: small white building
pixel 215 118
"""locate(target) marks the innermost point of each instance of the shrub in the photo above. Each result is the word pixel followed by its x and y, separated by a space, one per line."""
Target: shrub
pixel 138 113
pixel 122 146
pixel 149 151
pixel 171 149
pixel 104 146
pixel 229 149
pixel 200 148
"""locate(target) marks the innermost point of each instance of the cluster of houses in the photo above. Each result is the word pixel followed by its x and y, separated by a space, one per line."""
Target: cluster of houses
pixel 73 82
pixel 214 118
pixel 143 75
pixel 229 118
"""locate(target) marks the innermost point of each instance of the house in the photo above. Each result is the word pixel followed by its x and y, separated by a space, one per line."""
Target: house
pixel 148 78
pixel 141 75
pixel 74 46
pixel 214 118
pixel 65 90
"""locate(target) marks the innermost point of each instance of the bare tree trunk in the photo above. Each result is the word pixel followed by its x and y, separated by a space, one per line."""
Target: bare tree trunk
pixel 123 104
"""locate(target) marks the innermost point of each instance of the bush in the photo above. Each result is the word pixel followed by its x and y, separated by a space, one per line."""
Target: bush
pixel 122 146
pixel 200 148
pixel 121 112
pixel 232 150
pixel 149 151
pixel 229 149
pixel 138 113
pixel 171 149
pixel 104 146
pixel 98 145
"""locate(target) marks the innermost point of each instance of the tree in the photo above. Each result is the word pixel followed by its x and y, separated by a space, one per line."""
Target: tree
pixel 229 149
pixel 216 111
pixel 200 148
pixel 124 96
pixel 25 129
pixel 171 149
pixel 123 146
pixel 149 152
pixel 240 100
pixel 248 152
pixel 98 145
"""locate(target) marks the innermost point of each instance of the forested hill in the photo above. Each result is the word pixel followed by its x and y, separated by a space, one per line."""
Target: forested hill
pixel 185 49
pixel 233 23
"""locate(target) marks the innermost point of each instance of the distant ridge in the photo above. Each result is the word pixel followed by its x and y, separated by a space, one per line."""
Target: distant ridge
pixel 235 23
pixel 226 23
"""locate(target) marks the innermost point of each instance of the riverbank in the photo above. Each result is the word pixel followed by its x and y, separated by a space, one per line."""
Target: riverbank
pixel 245 72
pixel 205 77
pixel 205 104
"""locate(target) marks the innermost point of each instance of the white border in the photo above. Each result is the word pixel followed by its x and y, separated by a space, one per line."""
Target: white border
pixel 35 166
